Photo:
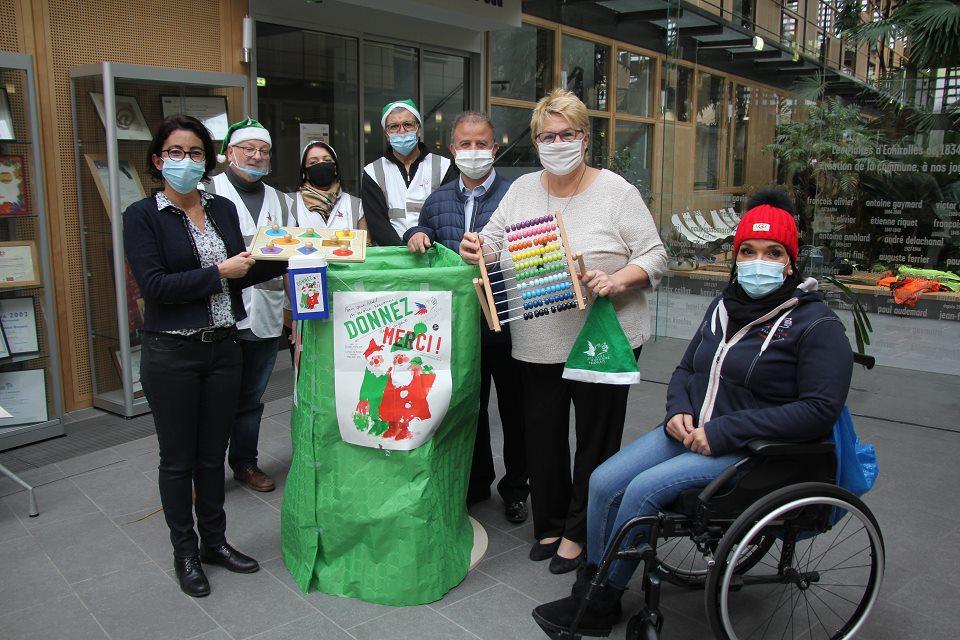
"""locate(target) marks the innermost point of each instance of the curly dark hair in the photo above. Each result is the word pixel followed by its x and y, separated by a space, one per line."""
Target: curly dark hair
pixel 185 123
pixel 772 196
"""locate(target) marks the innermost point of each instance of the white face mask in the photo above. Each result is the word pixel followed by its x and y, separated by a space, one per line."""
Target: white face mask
pixel 474 163
pixel 560 158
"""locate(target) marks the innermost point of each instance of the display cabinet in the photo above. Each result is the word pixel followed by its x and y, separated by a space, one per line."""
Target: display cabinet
pixel 116 109
pixel 30 388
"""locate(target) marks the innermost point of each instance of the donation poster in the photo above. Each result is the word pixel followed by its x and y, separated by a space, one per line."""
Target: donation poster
pixel 392 373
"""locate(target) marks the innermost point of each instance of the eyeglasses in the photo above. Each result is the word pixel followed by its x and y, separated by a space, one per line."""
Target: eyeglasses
pixel 249 152
pixel 407 126
pixel 177 154
pixel 567 135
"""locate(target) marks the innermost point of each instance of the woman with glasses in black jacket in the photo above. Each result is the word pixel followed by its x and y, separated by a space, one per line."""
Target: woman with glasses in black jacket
pixel 187 254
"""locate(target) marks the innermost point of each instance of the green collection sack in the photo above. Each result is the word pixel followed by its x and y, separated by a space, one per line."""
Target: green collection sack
pixel 374 503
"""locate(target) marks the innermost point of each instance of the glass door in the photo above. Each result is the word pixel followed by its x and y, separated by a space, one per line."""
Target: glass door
pixel 445 95
pixel 307 85
pixel 390 72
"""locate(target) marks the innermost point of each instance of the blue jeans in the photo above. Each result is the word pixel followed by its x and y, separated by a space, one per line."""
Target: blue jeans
pixel 641 480
pixel 259 356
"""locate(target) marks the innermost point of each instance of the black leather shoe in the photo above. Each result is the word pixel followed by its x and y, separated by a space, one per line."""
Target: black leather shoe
pixel 193 581
pixel 540 551
pixel 229 558
pixel 516 512
pixel 559 564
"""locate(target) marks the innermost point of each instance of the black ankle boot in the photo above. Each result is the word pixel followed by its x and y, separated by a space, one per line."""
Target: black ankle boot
pixel 602 612
pixel 193 581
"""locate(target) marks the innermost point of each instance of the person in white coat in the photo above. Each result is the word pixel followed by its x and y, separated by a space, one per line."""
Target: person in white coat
pixel 247 148
pixel 395 185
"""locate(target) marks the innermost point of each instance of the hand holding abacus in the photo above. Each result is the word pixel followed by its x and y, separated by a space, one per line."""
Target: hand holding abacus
pixel 470 248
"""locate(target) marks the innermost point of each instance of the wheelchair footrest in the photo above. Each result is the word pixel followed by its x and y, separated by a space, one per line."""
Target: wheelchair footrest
pixel 642 551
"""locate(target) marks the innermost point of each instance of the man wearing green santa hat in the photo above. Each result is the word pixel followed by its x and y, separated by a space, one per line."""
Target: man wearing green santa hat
pixel 247 149
pixel 395 185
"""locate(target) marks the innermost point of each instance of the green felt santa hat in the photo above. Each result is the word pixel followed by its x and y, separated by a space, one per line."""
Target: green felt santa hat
pixel 246 129
pixel 407 104
pixel 602 353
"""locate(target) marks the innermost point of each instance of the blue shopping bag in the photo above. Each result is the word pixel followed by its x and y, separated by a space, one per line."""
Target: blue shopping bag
pixel 857 467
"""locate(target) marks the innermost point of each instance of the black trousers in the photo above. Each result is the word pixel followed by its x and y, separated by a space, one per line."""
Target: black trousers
pixel 193 389
pixel 559 500
pixel 499 368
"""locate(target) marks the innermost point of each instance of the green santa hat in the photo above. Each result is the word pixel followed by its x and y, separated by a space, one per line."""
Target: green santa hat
pixel 248 129
pixel 602 353
pixel 403 104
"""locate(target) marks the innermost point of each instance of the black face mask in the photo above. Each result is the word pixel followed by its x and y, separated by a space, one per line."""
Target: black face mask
pixel 322 174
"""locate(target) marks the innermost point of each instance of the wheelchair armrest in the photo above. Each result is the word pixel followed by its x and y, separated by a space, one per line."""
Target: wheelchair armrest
pixel 721 481
pixel 775 448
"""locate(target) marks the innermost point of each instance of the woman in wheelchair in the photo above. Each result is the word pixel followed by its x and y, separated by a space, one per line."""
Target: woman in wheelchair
pixel 769 361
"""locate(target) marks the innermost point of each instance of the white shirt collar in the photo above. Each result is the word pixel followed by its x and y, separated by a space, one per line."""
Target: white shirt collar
pixel 486 183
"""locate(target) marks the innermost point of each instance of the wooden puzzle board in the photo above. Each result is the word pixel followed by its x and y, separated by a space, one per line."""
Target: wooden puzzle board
pixel 336 245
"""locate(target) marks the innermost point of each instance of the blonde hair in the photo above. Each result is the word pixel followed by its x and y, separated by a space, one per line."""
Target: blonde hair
pixel 563 103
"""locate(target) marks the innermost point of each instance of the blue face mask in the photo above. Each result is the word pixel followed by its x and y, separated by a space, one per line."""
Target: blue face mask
pixel 760 277
pixel 404 143
pixel 256 174
pixel 183 175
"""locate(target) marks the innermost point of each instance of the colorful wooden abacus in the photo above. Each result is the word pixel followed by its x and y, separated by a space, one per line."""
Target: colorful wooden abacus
pixel 537 271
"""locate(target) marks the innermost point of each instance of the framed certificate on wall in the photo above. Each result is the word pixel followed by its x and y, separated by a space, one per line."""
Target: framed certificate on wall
pixel 23 394
pixel 210 110
pixel 18 318
pixel 19 264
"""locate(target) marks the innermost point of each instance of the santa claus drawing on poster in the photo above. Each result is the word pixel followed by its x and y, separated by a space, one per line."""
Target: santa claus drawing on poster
pixel 405 396
pixel 366 417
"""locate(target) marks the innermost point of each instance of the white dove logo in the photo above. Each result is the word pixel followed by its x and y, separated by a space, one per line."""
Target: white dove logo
pixel 593 350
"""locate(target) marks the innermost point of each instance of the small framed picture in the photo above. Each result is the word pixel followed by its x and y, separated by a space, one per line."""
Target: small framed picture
pixel 13 187
pixel 210 110
pixel 19 264
pixel 18 319
pixel 4 347
pixel 23 395
pixel 134 366
pixel 129 119
pixel 6 117
pixel 130 187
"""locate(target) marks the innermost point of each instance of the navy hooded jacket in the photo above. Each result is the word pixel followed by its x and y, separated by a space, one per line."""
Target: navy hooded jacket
pixel 442 219
pixel 784 376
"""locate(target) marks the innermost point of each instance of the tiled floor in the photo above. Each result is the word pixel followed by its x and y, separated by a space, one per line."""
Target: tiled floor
pixel 97 562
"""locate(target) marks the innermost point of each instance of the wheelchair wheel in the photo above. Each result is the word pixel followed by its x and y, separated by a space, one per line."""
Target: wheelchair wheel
pixel 820 578
pixel 680 562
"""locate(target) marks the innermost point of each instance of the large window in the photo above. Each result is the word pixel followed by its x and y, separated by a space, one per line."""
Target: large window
pixel 709 123
pixel 521 65
pixel 617 84
pixel 677 93
pixel 634 79
pixel 586 67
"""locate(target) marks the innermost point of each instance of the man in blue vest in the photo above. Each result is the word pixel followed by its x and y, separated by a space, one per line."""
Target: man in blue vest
pixel 455 208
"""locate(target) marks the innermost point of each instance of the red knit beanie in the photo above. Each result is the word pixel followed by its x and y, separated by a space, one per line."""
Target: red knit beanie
pixel 766 222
